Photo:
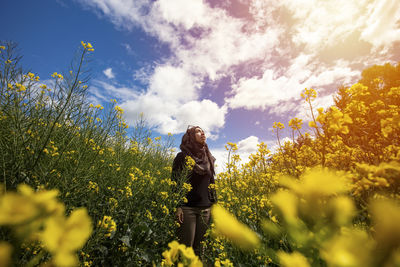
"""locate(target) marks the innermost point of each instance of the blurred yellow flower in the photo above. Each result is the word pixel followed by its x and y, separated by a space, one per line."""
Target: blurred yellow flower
pixel 5 254
pixel 350 247
pixel 292 259
pixel 343 209
pixel 171 255
pixel 227 225
pixel 386 217
pixel 16 209
pixel 317 182
pixel 63 237
pixel 287 203
pixel 179 252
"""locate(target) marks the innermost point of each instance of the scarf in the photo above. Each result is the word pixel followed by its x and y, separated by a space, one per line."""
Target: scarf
pixel 199 152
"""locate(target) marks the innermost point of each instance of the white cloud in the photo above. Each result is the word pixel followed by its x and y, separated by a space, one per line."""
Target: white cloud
pixel 248 145
pixel 174 84
pixel 283 39
pixel 107 91
pixel 174 117
pixel 179 12
pixel 109 73
pixel 255 93
pixel 221 156
pixel 279 93
pixel 205 113
pixel 325 23
pixel 383 23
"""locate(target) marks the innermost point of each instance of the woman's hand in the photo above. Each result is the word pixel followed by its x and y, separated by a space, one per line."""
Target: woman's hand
pixel 179 215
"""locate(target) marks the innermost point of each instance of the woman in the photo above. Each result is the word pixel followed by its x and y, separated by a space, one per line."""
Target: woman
pixel 194 215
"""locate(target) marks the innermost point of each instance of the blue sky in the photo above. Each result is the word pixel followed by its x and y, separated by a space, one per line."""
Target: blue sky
pixel 231 66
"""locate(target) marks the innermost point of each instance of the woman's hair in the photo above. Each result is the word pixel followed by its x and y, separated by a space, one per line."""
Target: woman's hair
pixel 199 152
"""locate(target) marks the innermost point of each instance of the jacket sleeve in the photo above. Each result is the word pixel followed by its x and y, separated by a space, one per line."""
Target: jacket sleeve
pixel 177 167
pixel 176 174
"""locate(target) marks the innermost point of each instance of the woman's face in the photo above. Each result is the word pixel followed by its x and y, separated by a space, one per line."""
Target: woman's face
pixel 199 136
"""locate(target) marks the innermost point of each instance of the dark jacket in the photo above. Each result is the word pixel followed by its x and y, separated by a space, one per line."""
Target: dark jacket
pixel 200 195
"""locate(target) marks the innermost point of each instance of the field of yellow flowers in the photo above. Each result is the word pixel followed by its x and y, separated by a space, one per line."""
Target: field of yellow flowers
pixel 81 188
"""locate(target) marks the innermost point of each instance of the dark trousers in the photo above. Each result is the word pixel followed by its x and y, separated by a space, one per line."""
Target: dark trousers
pixel 194 226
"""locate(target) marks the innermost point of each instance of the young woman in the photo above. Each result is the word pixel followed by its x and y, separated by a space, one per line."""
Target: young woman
pixel 194 215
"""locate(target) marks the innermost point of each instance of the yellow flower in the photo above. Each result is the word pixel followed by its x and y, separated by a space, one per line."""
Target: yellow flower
pixel 148 215
pixel 8 61
pixel 317 182
pixel 278 125
pixel 344 210
pixel 312 124
pixel 171 256
pixel 133 178
pixel 164 195
pixel 2 47
pixel 231 146
pixel 386 216
pixel 350 247
pixel 89 47
pixel 292 259
pixel 227 225
pixel 287 203
pixel 109 224
pixel 187 187
pixel 119 109
pixel 295 123
pixel 309 94
pixel 63 237
pixel 31 75
pixel 165 210
pixel 16 209
pixel 21 207
pixel 189 162
pixel 93 186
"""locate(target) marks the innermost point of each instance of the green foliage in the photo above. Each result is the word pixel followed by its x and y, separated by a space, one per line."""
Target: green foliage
pixel 51 137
